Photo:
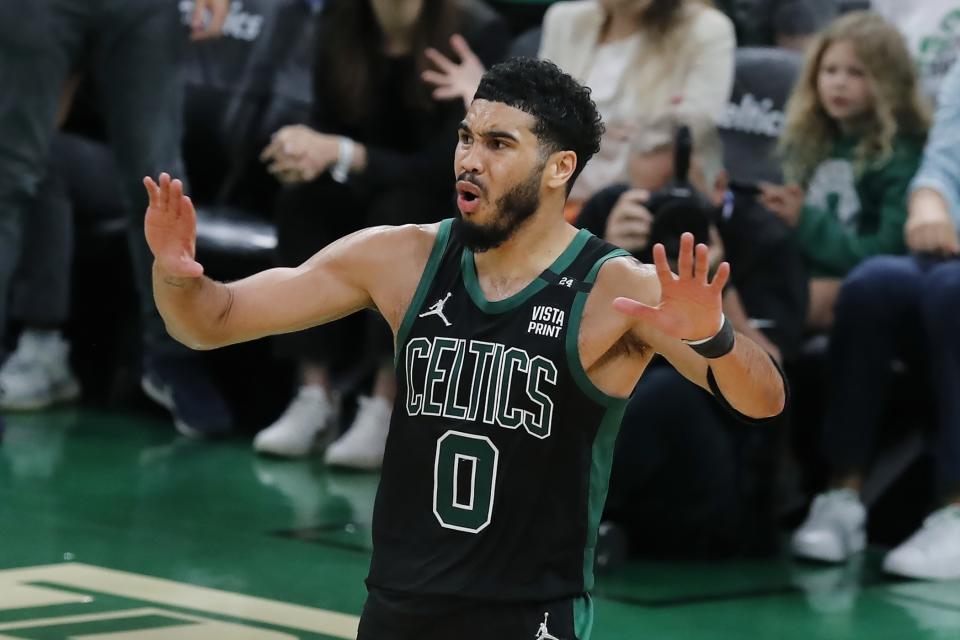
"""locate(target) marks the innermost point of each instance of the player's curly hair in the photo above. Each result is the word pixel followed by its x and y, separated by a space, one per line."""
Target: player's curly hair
pixel 566 116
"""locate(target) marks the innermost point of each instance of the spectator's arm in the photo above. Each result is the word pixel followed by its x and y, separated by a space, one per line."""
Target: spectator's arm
pixel 940 169
pixel 710 78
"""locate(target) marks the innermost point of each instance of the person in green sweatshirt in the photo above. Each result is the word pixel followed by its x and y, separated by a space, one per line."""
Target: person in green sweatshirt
pixel 853 138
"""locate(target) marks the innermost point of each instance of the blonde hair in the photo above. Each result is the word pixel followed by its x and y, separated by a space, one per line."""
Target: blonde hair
pixel 897 108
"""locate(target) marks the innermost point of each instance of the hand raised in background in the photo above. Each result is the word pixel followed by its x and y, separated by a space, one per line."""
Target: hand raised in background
pixel 455 80
pixel 171 228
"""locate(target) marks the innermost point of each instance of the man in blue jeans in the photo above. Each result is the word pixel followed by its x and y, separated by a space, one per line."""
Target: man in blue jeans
pixel 132 50
pixel 899 307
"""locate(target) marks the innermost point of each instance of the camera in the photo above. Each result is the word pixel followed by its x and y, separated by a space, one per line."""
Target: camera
pixel 678 208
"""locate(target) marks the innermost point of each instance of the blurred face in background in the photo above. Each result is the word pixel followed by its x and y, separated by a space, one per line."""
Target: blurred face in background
pixel 843 84
pixel 653 170
pixel 396 15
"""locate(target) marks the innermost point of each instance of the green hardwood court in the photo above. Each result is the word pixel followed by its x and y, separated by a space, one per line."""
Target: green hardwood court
pixel 112 527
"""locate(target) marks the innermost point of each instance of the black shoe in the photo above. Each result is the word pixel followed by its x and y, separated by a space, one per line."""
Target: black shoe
pixel 183 386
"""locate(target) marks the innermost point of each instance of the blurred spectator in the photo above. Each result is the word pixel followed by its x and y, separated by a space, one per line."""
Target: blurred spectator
pixel 767 281
pixel 44 43
pixel 852 141
pixel 235 73
pixel 665 494
pixel 641 58
pixel 902 307
pixel 38 373
pixel 377 152
pixel 790 24
pixel 932 30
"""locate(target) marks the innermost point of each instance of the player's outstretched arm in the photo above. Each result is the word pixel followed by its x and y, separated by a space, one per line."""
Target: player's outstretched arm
pixel 688 306
pixel 348 275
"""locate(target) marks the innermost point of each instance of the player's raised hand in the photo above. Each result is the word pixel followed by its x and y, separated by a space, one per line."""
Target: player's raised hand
pixel 691 307
pixel 171 228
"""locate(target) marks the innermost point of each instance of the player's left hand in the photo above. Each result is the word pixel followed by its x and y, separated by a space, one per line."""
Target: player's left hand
pixel 691 307
pixel 208 18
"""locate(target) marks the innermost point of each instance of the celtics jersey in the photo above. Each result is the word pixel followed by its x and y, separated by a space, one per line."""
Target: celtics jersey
pixel 500 447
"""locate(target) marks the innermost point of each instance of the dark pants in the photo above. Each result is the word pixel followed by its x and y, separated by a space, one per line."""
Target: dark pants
pixel 894 307
pixel 313 215
pixel 687 479
pixel 388 616
pixel 41 287
pixel 132 49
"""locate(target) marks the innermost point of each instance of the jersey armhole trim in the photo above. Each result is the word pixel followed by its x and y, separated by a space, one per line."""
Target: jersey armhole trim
pixel 573 334
pixel 426 279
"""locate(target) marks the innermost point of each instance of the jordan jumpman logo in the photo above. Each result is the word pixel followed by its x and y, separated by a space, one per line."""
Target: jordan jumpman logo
pixel 542 632
pixel 436 309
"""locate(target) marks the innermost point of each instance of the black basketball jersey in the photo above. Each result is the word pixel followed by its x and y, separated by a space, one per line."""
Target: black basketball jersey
pixel 499 451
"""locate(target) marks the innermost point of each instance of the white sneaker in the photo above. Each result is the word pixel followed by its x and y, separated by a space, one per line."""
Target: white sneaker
pixel 293 435
pixel 835 528
pixel 37 374
pixel 933 552
pixel 361 447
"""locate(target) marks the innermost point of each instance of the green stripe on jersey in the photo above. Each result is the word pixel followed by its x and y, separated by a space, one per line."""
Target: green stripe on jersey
pixel 469 269
pixel 429 271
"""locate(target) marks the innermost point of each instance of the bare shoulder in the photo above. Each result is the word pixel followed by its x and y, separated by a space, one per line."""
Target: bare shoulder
pixel 612 352
pixel 395 242
pixel 628 277
pixel 391 261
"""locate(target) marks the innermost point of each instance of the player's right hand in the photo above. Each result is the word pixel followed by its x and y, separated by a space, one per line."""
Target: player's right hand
pixel 171 228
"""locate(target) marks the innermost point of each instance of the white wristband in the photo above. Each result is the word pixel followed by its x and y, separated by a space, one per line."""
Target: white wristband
pixel 697 343
pixel 341 170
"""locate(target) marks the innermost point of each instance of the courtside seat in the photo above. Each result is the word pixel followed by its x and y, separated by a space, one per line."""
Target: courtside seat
pixel 754 117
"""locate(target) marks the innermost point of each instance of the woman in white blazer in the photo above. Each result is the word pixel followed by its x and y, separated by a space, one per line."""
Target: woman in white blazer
pixel 641 58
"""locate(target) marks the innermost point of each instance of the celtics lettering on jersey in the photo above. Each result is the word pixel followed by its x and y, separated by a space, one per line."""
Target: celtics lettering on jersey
pixel 493 371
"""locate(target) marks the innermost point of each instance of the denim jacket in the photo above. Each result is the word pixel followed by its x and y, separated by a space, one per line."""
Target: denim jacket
pixel 940 169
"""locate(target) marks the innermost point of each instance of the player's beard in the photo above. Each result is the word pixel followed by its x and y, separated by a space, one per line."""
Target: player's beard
pixel 512 209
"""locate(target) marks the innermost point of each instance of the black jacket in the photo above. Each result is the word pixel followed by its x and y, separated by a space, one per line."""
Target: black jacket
pixel 406 146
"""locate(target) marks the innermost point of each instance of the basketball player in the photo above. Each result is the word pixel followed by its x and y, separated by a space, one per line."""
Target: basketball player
pixel 518 340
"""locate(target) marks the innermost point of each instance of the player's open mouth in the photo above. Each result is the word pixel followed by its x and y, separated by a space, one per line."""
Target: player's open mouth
pixel 468 190
pixel 468 196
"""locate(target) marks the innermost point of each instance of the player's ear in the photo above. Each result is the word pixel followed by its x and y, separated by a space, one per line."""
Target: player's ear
pixel 560 167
